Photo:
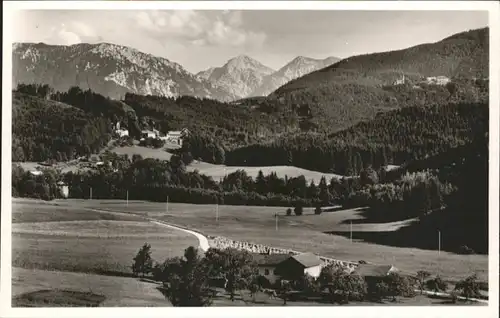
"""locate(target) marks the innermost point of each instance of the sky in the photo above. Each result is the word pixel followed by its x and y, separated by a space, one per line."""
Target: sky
pixel 201 39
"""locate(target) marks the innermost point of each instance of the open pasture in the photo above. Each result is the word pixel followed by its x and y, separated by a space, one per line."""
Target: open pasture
pixel 302 233
pixel 79 240
pixel 40 211
pixel 218 171
pixel 116 291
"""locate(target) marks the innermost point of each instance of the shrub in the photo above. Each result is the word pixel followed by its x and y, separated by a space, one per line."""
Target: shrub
pixel 288 211
pixel 298 210
pixel 469 287
pixel 317 210
pixel 436 284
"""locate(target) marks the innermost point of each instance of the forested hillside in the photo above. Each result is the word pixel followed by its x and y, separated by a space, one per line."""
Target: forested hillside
pixel 447 192
pixel 43 129
pixel 359 87
pixel 230 125
pixel 394 137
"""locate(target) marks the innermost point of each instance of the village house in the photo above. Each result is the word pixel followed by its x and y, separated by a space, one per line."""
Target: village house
pixel 289 267
pixel 374 273
pixel 176 137
pixel 121 131
pixel 148 134
pixel 400 81
pixel 267 264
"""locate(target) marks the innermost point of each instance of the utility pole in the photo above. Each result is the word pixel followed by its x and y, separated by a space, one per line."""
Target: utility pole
pixel 127 197
pixel 167 203
pixel 439 242
pixel 276 217
pixel 217 213
pixel 351 231
pixel 90 193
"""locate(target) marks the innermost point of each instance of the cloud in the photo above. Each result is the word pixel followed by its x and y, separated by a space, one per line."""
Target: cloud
pixel 200 28
pixel 73 33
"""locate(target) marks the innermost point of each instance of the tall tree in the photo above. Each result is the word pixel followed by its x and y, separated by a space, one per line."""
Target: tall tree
pixel 189 283
pixel 143 263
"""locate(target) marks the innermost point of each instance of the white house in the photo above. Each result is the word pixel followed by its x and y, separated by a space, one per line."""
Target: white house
pixel 148 134
pixel 177 136
pixel 400 81
pixel 122 132
pixel 286 266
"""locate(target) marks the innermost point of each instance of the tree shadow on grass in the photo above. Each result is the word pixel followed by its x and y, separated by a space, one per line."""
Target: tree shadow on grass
pixel 374 216
pixel 58 298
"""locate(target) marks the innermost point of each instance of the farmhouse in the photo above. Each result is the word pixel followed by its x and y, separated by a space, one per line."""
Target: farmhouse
pixel 121 131
pixel 148 134
pixel 267 264
pixel 286 266
pixel 297 265
pixel 374 273
pixel 177 136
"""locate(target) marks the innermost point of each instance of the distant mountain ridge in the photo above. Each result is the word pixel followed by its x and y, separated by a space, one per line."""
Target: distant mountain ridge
pixel 296 68
pixel 240 75
pixel 109 69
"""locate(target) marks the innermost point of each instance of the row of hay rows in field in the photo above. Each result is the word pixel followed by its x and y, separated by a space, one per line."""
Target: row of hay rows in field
pixel 222 242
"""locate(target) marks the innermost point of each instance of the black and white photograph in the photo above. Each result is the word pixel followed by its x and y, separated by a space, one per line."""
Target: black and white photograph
pixel 183 154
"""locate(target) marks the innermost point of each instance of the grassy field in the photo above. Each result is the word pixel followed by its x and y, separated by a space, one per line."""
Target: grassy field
pixel 303 233
pixel 218 171
pixel 116 291
pixel 73 239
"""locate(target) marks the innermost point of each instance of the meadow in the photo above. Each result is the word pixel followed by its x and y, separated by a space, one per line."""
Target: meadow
pixel 112 291
pixel 303 233
pixel 52 237
pixel 219 171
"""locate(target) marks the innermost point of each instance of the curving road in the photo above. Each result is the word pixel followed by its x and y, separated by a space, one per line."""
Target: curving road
pixel 204 246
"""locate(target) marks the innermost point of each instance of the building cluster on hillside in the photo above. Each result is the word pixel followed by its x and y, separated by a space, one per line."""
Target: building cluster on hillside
pixel 430 80
pixel 174 137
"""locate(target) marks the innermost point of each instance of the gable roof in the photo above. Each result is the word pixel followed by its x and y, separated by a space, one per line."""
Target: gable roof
pixel 270 259
pixel 373 270
pixel 307 259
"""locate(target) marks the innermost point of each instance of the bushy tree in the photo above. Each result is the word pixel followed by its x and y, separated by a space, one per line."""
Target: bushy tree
pixel 469 287
pixel 421 278
pixel 288 212
pixel 237 267
pixel 399 286
pixel 342 286
pixel 298 209
pixel 188 284
pixel 143 263
pixel 437 284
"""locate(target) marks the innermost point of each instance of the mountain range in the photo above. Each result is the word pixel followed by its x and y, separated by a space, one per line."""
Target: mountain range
pixel 246 77
pixel 113 70
pixel 108 69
